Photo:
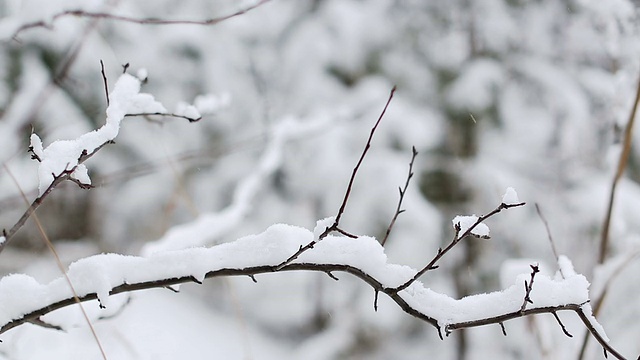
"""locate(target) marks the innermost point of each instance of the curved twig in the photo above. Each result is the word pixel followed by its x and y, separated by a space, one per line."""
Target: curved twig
pixel 141 21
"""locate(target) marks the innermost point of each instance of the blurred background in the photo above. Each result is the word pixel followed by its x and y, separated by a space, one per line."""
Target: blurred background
pixel 492 93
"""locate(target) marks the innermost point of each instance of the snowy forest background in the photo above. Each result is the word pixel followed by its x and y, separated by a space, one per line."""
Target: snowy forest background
pixel 533 95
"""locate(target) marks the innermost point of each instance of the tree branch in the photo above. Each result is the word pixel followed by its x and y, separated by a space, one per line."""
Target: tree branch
pixel 141 21
pixel 399 210
pixel 456 239
pixel 57 179
pixel 336 222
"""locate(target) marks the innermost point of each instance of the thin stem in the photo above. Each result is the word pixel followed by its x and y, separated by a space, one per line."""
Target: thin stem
pixel 399 210
pixel 142 21
pixel 622 164
pixel 191 119
pixel 456 239
pixel 336 222
pixel 364 153
pixel 104 80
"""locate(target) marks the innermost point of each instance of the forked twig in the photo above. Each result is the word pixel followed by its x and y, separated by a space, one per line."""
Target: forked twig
pixel 336 222
pixel 402 191
pixel 456 239
pixel 528 286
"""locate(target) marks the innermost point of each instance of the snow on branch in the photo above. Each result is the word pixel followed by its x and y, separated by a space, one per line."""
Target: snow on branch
pixel 64 155
pixel 23 299
pixel 63 159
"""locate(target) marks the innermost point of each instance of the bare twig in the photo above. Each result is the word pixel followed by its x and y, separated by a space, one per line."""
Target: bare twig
pixel 334 227
pixel 191 119
pixel 141 21
pixel 528 286
pixel 622 164
pixel 402 191
pixel 336 222
pixel 553 244
pixel 564 329
pixel 104 80
pixel 456 239
pixel 44 324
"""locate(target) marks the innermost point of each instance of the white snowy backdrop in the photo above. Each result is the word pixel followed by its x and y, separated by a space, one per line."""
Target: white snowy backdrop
pixel 492 93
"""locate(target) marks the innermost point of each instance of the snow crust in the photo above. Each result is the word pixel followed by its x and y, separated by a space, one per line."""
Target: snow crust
pixel 510 197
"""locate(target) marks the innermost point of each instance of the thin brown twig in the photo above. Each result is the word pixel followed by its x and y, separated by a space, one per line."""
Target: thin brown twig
pixel 550 237
pixel 402 191
pixel 61 267
pixel 347 194
pixel 104 80
pixel 456 239
pixel 622 164
pixel 528 287
pixel 564 329
pixel 336 222
pixel 191 119
pixel 141 21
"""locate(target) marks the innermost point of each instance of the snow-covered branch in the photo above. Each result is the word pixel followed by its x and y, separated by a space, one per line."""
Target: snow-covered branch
pixel 64 159
pixel 23 299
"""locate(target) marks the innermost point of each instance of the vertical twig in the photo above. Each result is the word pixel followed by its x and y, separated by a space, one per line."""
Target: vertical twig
pixel 553 244
pixel 334 227
pixel 399 210
pixel 528 286
pixel 104 80
pixel 622 164
pixel 336 222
